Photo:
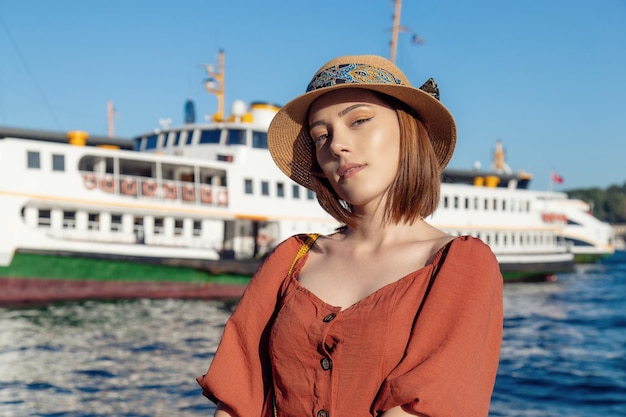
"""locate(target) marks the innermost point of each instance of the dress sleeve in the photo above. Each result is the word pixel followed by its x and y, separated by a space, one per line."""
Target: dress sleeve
pixel 451 360
pixel 240 373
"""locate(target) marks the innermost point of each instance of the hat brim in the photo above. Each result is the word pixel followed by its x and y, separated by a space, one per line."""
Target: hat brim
pixel 294 153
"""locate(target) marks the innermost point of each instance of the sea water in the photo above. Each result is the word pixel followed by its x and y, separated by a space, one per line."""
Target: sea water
pixel 563 352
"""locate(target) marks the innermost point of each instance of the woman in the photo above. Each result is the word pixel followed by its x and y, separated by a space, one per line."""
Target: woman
pixel 388 316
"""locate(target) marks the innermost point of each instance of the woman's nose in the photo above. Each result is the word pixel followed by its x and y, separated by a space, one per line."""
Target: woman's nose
pixel 340 142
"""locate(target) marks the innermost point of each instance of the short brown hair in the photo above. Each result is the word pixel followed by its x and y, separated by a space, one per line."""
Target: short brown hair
pixel 414 193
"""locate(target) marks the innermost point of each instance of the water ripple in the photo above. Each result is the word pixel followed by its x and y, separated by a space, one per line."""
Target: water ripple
pixel 562 354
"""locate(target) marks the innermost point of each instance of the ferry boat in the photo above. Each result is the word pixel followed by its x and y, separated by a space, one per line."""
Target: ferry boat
pixel 190 211
pixel 496 206
pixel 589 238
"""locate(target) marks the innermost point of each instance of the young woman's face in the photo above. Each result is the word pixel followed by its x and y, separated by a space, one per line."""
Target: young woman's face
pixel 357 143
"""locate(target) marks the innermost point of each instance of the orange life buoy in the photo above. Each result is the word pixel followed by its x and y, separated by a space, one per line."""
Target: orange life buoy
pixel 206 196
pixel 89 181
pixel 189 193
pixel 107 184
pixel 170 191
pixel 148 188
pixel 128 186
pixel 222 198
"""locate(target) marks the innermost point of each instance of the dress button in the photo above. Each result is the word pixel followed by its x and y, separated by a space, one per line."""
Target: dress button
pixel 322 413
pixel 326 364
pixel 329 317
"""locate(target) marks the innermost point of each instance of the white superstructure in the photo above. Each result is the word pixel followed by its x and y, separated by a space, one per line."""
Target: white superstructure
pixel 188 199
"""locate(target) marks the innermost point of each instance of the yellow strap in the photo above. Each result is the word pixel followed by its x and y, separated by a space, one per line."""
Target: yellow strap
pixel 304 249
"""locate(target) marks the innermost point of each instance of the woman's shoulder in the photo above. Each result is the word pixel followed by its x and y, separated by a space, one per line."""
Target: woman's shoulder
pixel 289 247
pixel 471 249
pixel 275 267
pixel 294 242
pixel 467 242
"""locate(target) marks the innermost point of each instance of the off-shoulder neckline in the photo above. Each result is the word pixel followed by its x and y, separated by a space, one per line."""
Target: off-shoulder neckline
pixel 293 278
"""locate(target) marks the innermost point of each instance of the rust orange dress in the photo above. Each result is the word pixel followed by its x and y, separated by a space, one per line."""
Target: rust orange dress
pixel 284 344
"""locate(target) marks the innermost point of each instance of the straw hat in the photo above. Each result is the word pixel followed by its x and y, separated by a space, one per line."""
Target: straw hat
pixel 288 138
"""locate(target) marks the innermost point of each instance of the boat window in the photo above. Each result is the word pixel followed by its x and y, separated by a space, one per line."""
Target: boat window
pixel 295 191
pixel 151 142
pixel 280 189
pixel 137 168
pixel 259 140
pixel 236 137
pixel 265 188
pixel 99 164
pixel 93 221
pixel 189 137
pixel 177 138
pixel 165 138
pixel 33 160
pixel 44 218
pixel 197 228
pixel 58 162
pixel 159 225
pixel 116 222
pixel 137 145
pixel 178 227
pixel 210 136
pixel 248 186
pixel 69 219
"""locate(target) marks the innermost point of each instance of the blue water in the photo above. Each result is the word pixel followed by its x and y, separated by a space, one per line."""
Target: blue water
pixel 563 352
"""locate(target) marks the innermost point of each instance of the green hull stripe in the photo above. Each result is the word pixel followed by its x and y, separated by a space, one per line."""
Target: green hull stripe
pixel 78 268
pixel 89 269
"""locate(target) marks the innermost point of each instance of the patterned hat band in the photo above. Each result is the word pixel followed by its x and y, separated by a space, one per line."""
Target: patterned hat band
pixel 351 74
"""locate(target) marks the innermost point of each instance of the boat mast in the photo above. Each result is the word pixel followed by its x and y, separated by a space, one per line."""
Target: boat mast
pixel 110 118
pixel 394 30
pixel 215 85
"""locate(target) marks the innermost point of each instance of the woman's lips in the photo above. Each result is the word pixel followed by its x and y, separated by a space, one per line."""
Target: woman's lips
pixel 348 170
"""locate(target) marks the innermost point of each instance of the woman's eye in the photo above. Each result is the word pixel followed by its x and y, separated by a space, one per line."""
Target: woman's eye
pixel 361 120
pixel 318 139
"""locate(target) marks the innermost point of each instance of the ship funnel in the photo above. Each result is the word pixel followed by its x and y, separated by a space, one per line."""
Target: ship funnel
pixel 77 137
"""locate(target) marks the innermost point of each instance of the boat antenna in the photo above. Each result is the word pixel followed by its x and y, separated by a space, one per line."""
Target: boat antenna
pixel 394 30
pixel 214 84
pixel 110 118
pixel 397 28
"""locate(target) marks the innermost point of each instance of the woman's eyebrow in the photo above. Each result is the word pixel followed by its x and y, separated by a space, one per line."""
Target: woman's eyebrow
pixel 350 108
pixel 340 114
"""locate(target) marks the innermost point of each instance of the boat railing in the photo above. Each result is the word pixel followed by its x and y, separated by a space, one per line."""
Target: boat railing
pixel 169 190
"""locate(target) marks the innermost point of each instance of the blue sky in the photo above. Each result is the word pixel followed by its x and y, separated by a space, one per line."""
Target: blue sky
pixel 547 77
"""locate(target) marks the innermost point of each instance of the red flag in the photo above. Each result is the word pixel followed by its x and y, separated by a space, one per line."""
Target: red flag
pixel 556 178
